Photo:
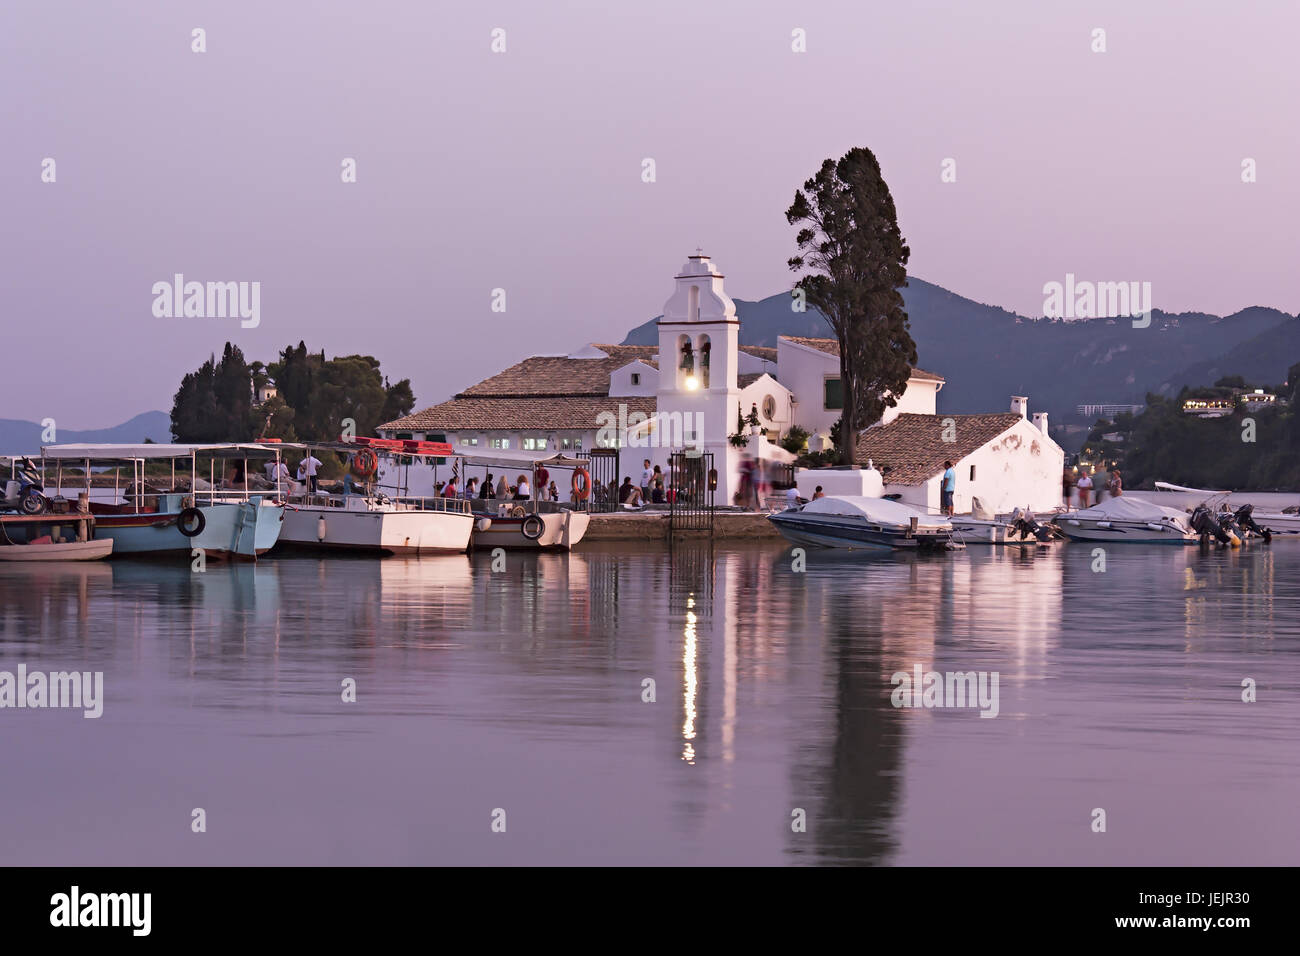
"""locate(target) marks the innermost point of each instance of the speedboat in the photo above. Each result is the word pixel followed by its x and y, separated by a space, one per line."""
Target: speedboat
pixel 1277 523
pixel 522 525
pixel 982 526
pixel 856 522
pixel 1128 520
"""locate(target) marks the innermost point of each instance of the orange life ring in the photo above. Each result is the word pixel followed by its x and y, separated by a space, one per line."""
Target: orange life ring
pixel 365 463
pixel 581 490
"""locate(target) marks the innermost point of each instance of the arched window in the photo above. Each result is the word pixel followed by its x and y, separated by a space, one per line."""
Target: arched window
pixel 685 361
pixel 706 348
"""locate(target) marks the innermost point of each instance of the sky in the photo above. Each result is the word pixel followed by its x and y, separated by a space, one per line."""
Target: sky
pixel 522 170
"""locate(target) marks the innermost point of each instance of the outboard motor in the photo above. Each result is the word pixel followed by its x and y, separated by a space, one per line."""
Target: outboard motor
pixel 1246 520
pixel 1026 525
pixel 1205 524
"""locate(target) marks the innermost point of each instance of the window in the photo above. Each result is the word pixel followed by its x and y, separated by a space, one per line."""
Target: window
pixel 566 442
pixel 468 442
pixel 636 378
pixel 769 407
pixel 972 472
pixel 834 394
pixel 498 442
pixel 534 444
pixel 403 436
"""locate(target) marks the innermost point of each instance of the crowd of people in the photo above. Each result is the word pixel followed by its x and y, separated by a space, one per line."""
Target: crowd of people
pixel 1078 486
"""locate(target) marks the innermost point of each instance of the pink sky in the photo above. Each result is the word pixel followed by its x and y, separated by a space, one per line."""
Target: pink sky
pixel 522 170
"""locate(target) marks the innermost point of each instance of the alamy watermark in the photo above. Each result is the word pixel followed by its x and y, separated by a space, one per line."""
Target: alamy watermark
pixel 211 300
pixel 61 689
pixel 933 689
pixel 658 430
pixel 1074 299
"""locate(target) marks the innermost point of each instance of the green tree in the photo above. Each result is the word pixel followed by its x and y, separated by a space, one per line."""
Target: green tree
pixel 850 240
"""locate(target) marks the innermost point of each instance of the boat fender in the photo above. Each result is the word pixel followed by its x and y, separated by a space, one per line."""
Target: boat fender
pixel 533 527
pixel 483 524
pixel 320 528
pixel 191 522
pixel 1156 527
pixel 1103 524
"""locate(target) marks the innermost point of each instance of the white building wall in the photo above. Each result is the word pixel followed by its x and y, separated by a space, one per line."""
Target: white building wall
pixel 756 392
pixel 1020 469
pixel 621 385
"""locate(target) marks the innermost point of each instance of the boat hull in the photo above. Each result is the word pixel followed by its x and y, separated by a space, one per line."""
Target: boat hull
pixel 823 532
pixel 232 531
pixel 561 531
pixel 65 551
pixel 1120 533
pixel 377 532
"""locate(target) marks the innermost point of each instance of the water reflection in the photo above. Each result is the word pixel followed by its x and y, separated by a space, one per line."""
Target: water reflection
pixel 773 690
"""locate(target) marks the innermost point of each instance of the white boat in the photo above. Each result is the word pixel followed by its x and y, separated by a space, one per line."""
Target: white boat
pixel 511 525
pixel 363 517
pixel 1280 523
pixel 982 526
pixel 374 523
pixel 1128 520
pixel 855 522
pixel 51 537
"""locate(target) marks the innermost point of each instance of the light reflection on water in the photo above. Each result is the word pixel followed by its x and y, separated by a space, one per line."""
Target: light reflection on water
pixel 523 690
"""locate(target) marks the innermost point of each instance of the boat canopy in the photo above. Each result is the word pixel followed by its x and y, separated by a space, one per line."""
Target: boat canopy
pixel 1126 508
pixel 878 510
pixel 155 451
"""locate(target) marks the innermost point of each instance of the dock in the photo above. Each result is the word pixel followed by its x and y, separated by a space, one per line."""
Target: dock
pixel 653 526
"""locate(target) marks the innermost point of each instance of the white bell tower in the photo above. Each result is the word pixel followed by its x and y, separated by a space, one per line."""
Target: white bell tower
pixel 698 357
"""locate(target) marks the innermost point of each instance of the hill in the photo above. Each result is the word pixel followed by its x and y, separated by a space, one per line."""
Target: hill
pixel 988 354
pixel 19 437
pixel 1261 360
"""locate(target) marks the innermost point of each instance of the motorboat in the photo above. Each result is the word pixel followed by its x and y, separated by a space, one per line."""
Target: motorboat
pixel 162 511
pixel 523 525
pixel 1128 520
pixel 855 522
pixel 369 515
pixel 1277 523
pixel 68 536
pixel 982 526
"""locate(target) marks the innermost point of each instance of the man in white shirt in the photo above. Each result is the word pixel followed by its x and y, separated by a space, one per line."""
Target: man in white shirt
pixel 308 469
pixel 792 497
pixel 647 481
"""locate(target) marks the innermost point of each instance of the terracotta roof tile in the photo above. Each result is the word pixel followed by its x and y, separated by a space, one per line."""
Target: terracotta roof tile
pixel 518 413
pixel 832 347
pixel 766 352
pixel 910 449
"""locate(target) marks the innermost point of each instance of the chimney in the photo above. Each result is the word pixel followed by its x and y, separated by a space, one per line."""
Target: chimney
pixel 1020 405
pixel 1040 421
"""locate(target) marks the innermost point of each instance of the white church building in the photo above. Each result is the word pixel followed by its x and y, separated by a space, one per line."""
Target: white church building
pixel 691 391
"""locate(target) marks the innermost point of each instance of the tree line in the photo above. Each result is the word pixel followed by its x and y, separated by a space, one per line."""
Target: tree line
pixel 315 395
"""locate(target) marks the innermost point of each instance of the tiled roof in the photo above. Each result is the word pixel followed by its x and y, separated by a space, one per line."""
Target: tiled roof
pixel 630 353
pixel 749 378
pixel 832 347
pixel 766 352
pixel 518 413
pixel 912 448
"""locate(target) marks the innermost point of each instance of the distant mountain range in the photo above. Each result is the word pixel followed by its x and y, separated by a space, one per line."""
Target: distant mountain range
pixel 24 438
pixel 987 354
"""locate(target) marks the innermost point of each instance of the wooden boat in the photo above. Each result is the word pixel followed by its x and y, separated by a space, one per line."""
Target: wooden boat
pixel 51 537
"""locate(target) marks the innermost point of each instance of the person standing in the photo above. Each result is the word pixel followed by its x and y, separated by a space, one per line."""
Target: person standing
pixel 1116 486
pixel 647 480
pixel 1085 488
pixel 1067 486
pixel 486 493
pixel 947 488
pixel 1100 484
pixel 471 489
pixel 449 489
pixel 310 465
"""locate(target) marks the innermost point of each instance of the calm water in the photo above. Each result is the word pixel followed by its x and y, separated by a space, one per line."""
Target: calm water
pixel 522 689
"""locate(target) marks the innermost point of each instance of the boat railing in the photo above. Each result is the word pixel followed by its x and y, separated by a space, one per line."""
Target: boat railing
pixel 451 505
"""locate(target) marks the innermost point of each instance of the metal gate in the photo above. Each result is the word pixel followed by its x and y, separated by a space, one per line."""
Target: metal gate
pixel 691 484
pixel 604 480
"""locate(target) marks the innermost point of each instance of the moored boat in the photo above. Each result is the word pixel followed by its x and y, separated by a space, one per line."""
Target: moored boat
pixel 68 536
pixel 161 514
pixel 853 522
pixel 514 526
pixel 1128 520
